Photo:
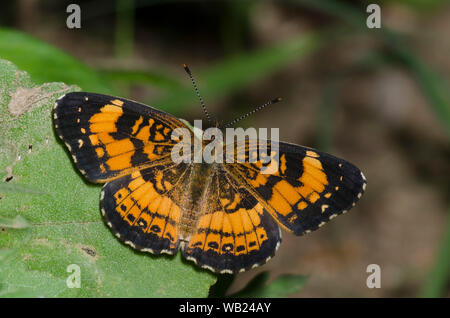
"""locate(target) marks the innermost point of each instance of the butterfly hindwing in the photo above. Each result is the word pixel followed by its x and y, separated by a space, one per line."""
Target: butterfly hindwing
pixel 109 137
pixel 144 209
pixel 308 188
pixel 234 233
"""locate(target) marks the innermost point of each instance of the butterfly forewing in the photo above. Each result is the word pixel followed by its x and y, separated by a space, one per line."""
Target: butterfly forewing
pixel 307 188
pixel 110 137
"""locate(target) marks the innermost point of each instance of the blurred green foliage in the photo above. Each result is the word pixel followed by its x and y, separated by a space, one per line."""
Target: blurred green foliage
pixel 439 276
pixel 46 63
pixel 281 286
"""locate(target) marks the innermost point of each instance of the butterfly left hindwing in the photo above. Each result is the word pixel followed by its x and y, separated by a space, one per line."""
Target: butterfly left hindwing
pixel 144 209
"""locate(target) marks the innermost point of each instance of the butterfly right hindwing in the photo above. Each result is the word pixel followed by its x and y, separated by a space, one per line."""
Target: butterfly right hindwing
pixel 234 232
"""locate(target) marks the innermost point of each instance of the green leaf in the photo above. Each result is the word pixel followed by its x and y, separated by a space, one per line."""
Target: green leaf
pixel 15 187
pixel 282 286
pixel 45 63
pixel 65 222
pixel 18 222
pixel 223 283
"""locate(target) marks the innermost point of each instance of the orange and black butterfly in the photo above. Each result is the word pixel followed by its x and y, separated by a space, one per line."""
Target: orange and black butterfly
pixel 225 217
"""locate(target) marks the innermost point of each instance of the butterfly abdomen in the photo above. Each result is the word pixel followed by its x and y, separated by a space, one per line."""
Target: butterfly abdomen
pixel 195 198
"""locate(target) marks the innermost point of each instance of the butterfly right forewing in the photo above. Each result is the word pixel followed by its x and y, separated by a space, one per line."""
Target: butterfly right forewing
pixel 308 189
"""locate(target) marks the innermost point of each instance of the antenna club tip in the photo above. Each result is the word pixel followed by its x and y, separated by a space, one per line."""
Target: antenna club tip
pixel 186 68
pixel 276 100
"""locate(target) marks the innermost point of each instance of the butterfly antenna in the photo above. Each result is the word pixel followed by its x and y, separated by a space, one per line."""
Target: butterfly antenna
pixel 273 101
pixel 188 71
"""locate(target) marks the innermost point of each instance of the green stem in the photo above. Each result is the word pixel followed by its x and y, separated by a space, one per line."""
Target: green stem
pixel 124 36
pixel 439 276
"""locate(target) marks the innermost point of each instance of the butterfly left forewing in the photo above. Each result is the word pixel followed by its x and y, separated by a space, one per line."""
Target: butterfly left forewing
pixel 110 137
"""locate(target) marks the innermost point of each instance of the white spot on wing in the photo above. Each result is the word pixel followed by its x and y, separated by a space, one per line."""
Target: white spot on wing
pixel 278 245
pixel 208 267
pixel 61 97
pixel 167 252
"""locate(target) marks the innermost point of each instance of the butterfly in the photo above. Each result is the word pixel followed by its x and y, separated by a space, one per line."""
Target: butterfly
pixel 225 217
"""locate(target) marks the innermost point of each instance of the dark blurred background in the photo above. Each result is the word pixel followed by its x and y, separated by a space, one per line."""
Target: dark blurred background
pixel 378 98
